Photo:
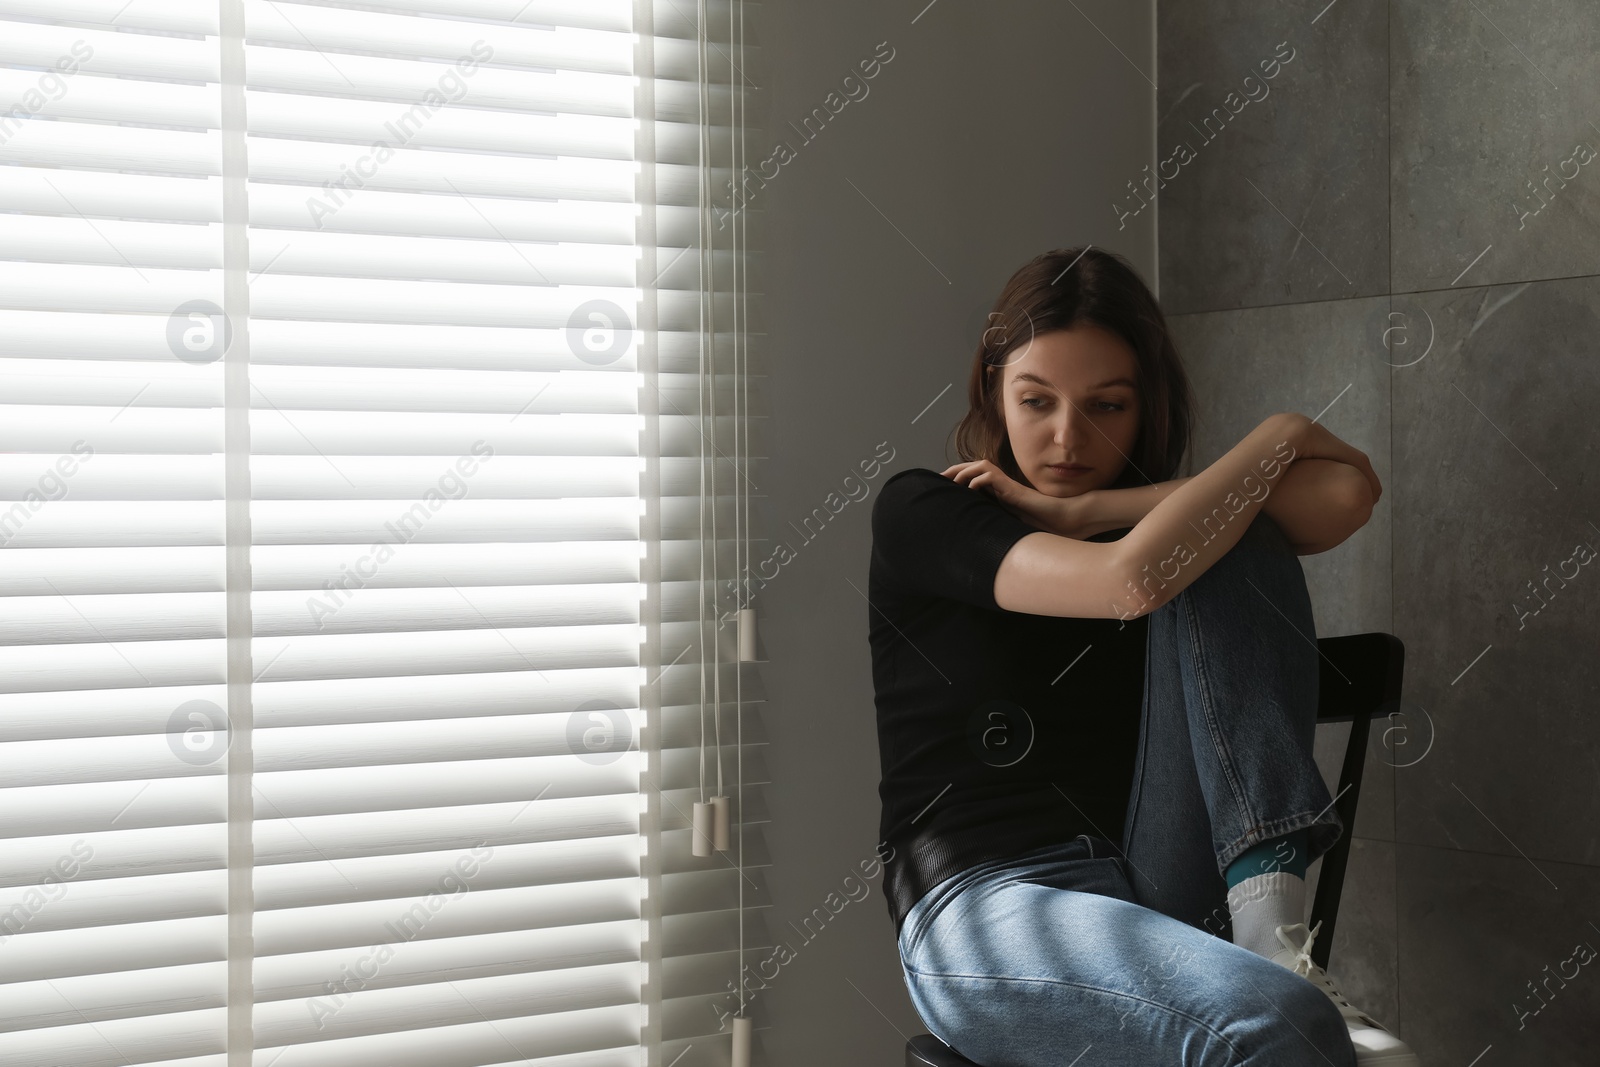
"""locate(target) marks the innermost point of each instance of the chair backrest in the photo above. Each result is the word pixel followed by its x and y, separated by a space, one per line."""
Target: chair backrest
pixel 1360 677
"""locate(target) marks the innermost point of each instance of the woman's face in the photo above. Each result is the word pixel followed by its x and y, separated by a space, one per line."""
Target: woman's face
pixel 1069 397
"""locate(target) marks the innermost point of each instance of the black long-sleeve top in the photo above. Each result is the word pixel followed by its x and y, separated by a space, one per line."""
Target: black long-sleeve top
pixel 999 732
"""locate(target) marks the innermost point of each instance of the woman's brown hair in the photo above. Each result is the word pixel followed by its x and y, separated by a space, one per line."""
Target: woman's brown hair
pixel 1062 289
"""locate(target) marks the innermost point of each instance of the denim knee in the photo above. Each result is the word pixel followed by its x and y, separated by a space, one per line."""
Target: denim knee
pixel 1298 1018
pixel 1264 532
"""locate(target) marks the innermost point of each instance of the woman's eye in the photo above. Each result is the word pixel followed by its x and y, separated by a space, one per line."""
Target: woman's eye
pixel 1030 402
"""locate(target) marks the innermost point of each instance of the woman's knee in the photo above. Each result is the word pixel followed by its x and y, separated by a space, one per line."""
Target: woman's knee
pixel 1262 557
pixel 1287 1020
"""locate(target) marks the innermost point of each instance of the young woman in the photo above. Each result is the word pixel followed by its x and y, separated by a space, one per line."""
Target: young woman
pixel 1072 876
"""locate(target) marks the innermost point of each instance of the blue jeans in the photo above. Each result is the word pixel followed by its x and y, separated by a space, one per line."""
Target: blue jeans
pixel 1123 950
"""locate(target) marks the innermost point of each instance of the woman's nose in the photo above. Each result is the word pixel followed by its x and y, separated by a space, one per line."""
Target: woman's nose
pixel 1071 428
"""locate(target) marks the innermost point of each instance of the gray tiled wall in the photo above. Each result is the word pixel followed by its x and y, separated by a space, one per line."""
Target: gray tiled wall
pixel 1400 230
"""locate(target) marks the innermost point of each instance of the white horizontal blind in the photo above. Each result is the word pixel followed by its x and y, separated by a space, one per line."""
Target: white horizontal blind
pixel 114 847
pixel 473 562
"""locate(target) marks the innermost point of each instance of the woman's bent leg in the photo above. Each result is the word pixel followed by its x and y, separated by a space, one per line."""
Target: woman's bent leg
pixel 1225 750
pixel 1044 961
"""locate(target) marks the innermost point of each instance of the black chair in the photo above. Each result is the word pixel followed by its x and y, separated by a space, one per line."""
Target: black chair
pixel 1360 677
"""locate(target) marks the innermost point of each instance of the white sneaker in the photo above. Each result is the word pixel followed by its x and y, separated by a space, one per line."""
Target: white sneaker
pixel 1375 1046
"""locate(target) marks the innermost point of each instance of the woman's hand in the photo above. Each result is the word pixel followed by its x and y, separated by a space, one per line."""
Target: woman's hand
pixel 1057 515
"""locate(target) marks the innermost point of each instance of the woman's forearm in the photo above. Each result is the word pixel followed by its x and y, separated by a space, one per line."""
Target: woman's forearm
pixel 1116 509
pixel 1199 521
pixel 1319 503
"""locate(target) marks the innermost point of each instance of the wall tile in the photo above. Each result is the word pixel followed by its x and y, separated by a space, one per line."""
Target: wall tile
pixel 1491 102
pixel 1496 487
pixel 1282 196
pixel 1475 931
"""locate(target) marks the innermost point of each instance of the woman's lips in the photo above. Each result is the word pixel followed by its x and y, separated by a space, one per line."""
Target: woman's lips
pixel 1068 472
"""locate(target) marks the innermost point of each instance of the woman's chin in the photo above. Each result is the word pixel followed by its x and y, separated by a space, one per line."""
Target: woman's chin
pixel 1056 488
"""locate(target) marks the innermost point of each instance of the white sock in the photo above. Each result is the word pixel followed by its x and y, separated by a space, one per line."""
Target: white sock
pixel 1262 903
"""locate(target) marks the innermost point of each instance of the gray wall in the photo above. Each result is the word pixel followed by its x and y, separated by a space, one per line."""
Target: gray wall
pixel 996 132
pixel 1313 249
pixel 1357 238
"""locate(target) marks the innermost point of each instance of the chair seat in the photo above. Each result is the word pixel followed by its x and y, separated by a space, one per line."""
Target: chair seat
pixel 925 1050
